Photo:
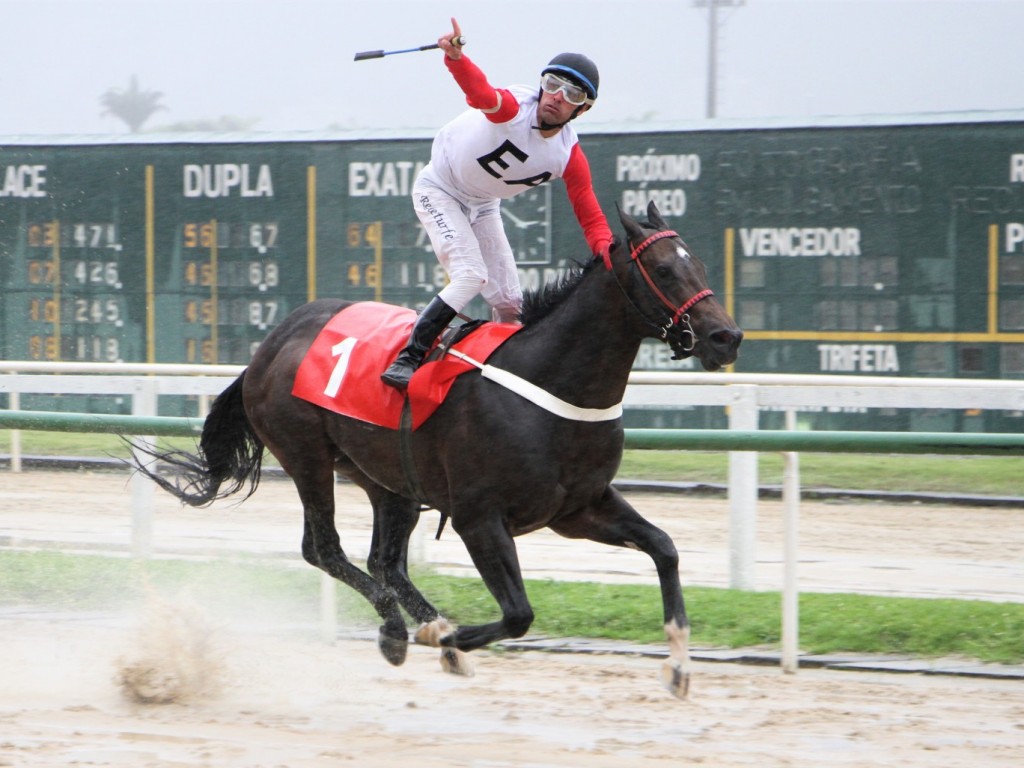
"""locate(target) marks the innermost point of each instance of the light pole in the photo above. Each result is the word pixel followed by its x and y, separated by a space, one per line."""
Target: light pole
pixel 713 6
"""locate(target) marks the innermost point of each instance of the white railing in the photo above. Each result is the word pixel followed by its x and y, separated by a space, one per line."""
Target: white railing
pixel 744 395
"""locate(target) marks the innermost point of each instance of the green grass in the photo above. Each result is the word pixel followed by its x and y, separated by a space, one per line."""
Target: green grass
pixel 981 475
pixel 990 632
pixel 92 582
pixel 65 444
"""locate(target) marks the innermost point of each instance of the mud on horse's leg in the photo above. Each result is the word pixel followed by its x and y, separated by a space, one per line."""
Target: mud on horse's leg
pixel 675 672
pixel 321 547
pixel 494 554
pixel 613 521
pixel 394 519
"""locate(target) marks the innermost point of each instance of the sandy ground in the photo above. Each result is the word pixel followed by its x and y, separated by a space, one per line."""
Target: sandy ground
pixel 302 704
pixel 256 694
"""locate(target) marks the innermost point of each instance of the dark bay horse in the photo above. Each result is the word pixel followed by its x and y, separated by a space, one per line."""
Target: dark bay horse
pixel 497 465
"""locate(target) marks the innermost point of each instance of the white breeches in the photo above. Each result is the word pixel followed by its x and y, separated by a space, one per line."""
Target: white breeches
pixel 472 247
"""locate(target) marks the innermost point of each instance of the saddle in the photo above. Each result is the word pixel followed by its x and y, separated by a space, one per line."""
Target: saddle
pixel 450 337
pixel 341 371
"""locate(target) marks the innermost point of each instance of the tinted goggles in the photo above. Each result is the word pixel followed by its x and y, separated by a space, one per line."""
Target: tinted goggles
pixel 572 93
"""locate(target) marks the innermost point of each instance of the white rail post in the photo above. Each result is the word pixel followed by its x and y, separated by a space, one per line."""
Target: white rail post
pixel 790 555
pixel 328 608
pixel 743 484
pixel 417 552
pixel 14 403
pixel 144 403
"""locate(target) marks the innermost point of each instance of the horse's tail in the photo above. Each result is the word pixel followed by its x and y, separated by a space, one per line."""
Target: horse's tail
pixel 230 455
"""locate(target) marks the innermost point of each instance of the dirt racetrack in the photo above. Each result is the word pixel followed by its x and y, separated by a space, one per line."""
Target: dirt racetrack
pixel 284 697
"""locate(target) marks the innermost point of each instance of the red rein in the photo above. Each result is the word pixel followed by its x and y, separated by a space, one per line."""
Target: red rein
pixel 688 305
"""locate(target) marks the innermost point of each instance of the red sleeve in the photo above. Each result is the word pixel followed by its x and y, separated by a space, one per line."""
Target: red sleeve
pixel 497 104
pixel 579 185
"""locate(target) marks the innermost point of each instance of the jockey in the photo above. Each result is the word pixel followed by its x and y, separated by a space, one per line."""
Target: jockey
pixel 511 140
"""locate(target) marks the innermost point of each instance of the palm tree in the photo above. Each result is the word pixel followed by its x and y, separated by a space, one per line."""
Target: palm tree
pixel 132 105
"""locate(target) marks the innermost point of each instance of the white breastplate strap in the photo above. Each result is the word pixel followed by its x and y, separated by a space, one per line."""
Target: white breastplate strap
pixel 538 396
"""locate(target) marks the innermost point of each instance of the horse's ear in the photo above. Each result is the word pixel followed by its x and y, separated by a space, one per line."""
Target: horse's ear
pixel 654 216
pixel 633 231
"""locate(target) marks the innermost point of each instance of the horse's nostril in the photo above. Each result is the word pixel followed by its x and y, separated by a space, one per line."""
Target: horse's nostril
pixel 727 338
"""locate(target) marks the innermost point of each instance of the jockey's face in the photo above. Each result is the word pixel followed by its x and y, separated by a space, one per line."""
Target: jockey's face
pixel 555 110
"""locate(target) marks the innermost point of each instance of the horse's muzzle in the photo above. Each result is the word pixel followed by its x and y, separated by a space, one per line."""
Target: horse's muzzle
pixel 719 349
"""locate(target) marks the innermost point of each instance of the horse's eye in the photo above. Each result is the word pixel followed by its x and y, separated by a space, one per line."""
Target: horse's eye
pixel 663 270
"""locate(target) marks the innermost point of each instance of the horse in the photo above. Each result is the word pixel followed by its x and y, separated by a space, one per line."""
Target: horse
pixel 494 463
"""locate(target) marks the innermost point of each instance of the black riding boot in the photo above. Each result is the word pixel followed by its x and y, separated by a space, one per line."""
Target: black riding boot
pixel 428 327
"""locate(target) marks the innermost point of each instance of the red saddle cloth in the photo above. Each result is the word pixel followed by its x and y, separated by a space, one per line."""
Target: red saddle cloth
pixel 341 371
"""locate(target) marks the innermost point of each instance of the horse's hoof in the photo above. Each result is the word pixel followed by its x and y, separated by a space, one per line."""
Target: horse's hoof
pixel 433 633
pixel 455 662
pixel 675 678
pixel 393 644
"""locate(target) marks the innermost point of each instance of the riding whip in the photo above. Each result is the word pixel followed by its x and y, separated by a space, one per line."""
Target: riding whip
pixel 363 55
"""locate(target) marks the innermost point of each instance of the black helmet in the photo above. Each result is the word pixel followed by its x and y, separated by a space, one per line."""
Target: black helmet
pixel 577 68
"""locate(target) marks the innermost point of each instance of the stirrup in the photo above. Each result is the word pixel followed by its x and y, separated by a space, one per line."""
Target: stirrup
pixel 398 374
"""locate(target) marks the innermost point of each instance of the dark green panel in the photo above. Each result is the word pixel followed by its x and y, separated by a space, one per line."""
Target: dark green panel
pixel 241 208
pixel 70 245
pixel 875 233
pixel 375 249
pixel 881 250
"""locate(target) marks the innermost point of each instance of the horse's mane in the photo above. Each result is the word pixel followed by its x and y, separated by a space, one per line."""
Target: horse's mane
pixel 539 303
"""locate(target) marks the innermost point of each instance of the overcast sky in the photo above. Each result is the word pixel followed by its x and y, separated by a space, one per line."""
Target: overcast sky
pixel 289 63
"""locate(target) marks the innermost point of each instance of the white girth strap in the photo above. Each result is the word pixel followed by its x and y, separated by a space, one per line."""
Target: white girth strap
pixel 538 396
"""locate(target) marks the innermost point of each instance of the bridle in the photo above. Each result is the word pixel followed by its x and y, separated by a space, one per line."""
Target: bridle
pixel 678 316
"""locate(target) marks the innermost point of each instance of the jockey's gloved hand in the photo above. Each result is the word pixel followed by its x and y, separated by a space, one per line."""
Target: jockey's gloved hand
pixel 604 251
